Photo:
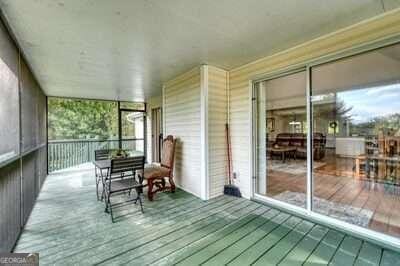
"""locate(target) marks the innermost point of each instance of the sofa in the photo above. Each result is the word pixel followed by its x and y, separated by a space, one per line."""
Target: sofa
pixel 299 141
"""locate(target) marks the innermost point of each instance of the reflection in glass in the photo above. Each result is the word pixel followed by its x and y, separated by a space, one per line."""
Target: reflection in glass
pixel 282 138
pixel 356 104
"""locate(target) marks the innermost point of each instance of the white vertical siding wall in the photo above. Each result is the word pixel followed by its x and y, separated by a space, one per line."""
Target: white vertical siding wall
pixel 195 112
pixel 181 108
pixel 217 117
pixel 380 27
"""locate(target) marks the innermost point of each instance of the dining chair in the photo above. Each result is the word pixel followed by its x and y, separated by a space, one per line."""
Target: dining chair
pixel 156 174
pixel 124 175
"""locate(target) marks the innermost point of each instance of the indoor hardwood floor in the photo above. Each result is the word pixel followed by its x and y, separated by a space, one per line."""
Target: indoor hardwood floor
pixel 336 182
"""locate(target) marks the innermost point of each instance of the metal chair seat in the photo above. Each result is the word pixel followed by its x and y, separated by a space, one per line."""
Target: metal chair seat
pixel 124 184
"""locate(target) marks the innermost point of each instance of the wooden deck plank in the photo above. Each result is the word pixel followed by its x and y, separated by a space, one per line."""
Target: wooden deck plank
pixel 238 224
pixel 250 212
pixel 347 251
pixel 68 226
pixel 203 255
pixel 258 249
pixel 326 249
pixel 99 224
pixel 281 249
pixel 102 251
pixel 304 248
pixel 199 245
pixel 370 255
pixel 237 248
pixel 390 258
pixel 65 232
pixel 96 223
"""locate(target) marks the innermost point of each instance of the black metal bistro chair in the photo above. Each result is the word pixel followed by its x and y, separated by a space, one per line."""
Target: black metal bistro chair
pixel 125 175
pixel 100 155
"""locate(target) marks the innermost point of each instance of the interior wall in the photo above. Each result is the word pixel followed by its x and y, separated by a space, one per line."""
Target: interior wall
pixel 182 119
pixel 240 79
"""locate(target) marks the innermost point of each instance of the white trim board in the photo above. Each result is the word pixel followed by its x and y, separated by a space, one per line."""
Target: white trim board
pixel 205 190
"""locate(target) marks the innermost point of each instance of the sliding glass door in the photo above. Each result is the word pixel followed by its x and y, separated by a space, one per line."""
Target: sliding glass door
pixel 282 138
pixel 355 139
pixel 356 105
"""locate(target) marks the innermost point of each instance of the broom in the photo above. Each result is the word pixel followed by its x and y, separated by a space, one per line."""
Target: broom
pixel 230 189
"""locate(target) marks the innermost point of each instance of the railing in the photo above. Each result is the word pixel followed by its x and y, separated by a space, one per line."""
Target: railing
pixel 67 153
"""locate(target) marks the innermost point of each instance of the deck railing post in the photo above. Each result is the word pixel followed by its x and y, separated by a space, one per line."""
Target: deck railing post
pixel 88 158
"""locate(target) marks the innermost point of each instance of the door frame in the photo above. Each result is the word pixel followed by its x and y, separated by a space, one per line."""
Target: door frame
pixel 120 139
pixel 154 137
pixel 384 240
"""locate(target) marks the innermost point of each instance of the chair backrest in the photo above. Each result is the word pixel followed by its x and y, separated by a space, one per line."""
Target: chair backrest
pixel 122 165
pixel 168 152
pixel 103 154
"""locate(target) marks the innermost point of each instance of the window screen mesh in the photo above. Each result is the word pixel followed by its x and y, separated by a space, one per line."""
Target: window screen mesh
pixel 29 91
pixel 9 110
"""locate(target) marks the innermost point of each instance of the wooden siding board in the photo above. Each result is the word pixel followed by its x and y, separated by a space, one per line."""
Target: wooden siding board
pixel 182 120
pixel 217 116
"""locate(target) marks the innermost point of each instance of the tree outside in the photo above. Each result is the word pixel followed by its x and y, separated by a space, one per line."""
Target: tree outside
pixel 82 119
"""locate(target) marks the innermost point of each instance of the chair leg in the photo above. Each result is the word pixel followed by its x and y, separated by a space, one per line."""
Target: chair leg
pixel 140 200
pixel 97 186
pixel 172 184
pixel 163 184
pixel 105 202
pixel 150 189
pixel 110 208
pixel 141 205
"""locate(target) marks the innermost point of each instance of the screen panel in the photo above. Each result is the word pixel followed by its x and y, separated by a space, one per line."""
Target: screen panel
pixel 9 103
pixel 29 95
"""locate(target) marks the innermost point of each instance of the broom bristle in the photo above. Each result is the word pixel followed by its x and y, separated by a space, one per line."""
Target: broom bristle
pixel 232 190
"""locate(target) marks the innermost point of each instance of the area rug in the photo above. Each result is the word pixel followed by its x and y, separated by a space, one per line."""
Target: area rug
pixel 336 210
pixel 292 167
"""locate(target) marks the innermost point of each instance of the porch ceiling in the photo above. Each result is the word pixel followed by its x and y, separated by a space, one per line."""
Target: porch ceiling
pixel 125 49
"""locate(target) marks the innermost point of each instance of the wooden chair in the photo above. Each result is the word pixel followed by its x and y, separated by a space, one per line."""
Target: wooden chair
pixel 156 174
pixel 122 177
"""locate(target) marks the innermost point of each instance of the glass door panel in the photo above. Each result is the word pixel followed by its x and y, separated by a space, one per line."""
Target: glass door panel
pixel 132 130
pixel 356 112
pixel 281 129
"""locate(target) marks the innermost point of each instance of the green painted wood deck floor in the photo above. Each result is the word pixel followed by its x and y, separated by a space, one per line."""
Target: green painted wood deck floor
pixel 68 226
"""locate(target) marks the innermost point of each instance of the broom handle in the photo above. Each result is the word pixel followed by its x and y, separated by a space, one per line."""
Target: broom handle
pixel 228 146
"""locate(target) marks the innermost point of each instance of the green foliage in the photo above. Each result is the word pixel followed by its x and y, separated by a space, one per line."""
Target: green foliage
pixel 389 125
pixel 82 119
